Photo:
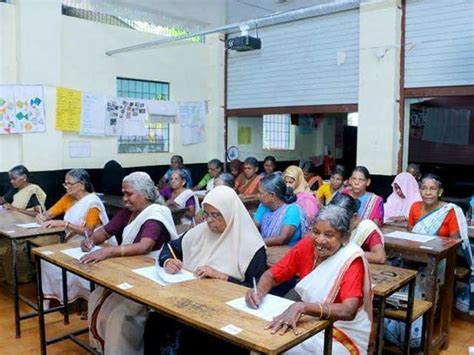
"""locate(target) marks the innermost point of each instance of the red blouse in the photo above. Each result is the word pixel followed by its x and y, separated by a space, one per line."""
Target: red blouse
pixel 299 261
pixel 449 225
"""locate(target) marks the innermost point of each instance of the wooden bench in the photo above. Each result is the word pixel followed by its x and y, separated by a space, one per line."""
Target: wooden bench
pixel 420 309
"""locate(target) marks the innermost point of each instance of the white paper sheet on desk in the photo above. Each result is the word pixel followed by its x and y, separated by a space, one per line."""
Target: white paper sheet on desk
pixel 77 253
pixel 159 275
pixel 29 225
pixel 420 238
pixel 271 306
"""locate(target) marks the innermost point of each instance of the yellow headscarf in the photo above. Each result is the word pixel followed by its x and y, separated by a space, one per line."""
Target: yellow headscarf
pixel 296 173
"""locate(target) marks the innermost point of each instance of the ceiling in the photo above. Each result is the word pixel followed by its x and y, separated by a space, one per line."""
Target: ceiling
pixel 192 15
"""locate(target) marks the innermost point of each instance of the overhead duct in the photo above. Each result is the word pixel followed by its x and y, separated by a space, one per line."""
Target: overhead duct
pixel 265 21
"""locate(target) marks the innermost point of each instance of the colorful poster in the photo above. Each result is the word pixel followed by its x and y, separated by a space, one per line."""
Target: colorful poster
pixel 125 117
pixel 191 118
pixel 68 110
pixel 93 115
pixel 21 109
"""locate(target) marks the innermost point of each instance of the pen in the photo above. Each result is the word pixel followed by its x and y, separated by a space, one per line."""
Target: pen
pixel 171 250
pixel 255 291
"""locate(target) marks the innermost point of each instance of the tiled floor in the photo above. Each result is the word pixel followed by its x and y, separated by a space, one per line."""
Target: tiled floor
pixel 462 333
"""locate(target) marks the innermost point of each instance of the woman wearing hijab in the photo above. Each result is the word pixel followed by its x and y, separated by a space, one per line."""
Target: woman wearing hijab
pixel 305 198
pixel 405 193
pixel 227 247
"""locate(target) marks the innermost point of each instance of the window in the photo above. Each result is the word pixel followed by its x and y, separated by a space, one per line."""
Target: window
pixel 278 132
pixel 158 137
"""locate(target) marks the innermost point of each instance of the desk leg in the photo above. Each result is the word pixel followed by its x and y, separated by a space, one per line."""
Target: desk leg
pixel 446 297
pixel 328 339
pixel 39 285
pixel 409 318
pixel 16 297
pixel 431 290
pixel 65 297
pixel 380 325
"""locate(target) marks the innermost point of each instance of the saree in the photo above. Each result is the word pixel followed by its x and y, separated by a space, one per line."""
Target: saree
pixel 363 230
pixel 22 197
pixel 117 324
pixel 247 187
pixel 322 286
pixel 181 200
pixel 371 207
pixel 52 275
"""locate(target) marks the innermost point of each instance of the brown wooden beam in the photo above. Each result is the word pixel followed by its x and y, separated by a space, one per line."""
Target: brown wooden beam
pixel 465 90
pixel 258 111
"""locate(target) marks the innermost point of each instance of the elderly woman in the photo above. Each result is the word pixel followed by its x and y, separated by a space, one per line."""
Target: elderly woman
pixel 83 212
pixel 279 219
pixel 305 198
pixel 405 193
pixel 214 168
pixel 371 205
pixel 226 179
pixel 176 162
pixel 179 195
pixel 327 191
pixel 227 247
pixel 335 284
pixel 365 233
pixel 116 323
pixel 247 182
pixel 24 196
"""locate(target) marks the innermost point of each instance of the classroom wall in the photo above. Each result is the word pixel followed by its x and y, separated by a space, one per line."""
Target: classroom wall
pixel 378 136
pixel 306 145
pixel 73 55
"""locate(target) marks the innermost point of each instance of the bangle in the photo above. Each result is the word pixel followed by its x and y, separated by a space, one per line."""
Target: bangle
pixel 320 311
pixel 122 250
pixel 329 313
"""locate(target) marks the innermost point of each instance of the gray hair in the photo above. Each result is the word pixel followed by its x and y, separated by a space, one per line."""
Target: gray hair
pixel 224 179
pixel 142 183
pixel 183 176
pixel 337 217
pixel 81 175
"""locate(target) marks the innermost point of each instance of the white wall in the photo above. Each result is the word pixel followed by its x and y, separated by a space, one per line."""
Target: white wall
pixel 306 145
pixel 74 57
pixel 378 136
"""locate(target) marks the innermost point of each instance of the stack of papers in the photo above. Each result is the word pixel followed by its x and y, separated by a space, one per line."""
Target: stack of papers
pixel 77 253
pixel 271 306
pixel 159 275
pixel 420 238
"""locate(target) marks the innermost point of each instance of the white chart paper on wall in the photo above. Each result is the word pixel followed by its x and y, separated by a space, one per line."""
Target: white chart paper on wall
pixel 125 117
pixel 79 149
pixel 21 109
pixel 192 120
pixel 93 115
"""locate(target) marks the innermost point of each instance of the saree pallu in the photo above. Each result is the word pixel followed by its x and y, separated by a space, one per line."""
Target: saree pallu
pixel 22 197
pixel 371 207
pixel 247 187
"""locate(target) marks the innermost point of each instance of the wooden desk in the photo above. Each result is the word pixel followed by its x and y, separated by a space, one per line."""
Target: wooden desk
pixel 198 303
pixel 10 231
pixel 431 253
pixel 114 204
pixel 386 280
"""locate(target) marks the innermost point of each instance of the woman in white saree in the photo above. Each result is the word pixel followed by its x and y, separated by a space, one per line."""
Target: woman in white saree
pixel 335 285
pixel 116 323
pixel 83 212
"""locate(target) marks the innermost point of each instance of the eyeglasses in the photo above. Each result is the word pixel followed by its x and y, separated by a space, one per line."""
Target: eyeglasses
pixel 69 184
pixel 212 215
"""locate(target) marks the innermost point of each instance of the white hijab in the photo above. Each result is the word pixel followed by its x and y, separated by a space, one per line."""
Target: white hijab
pixel 231 251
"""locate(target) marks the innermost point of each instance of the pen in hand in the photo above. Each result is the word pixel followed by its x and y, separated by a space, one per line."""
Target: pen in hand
pixel 255 290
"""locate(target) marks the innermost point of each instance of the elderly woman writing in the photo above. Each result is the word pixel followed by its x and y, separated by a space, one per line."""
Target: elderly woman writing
pixel 335 284
pixel 83 212
pixel 116 323
pixel 280 220
pixel 24 196
pixel 227 247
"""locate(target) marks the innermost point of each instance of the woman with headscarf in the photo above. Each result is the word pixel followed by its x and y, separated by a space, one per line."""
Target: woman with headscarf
pixel 334 284
pixel 405 192
pixel 24 196
pixel 116 323
pixel 83 212
pixel 305 198
pixel 227 247
pixel 280 220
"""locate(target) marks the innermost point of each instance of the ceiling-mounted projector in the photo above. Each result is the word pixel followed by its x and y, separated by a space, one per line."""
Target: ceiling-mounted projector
pixel 244 43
